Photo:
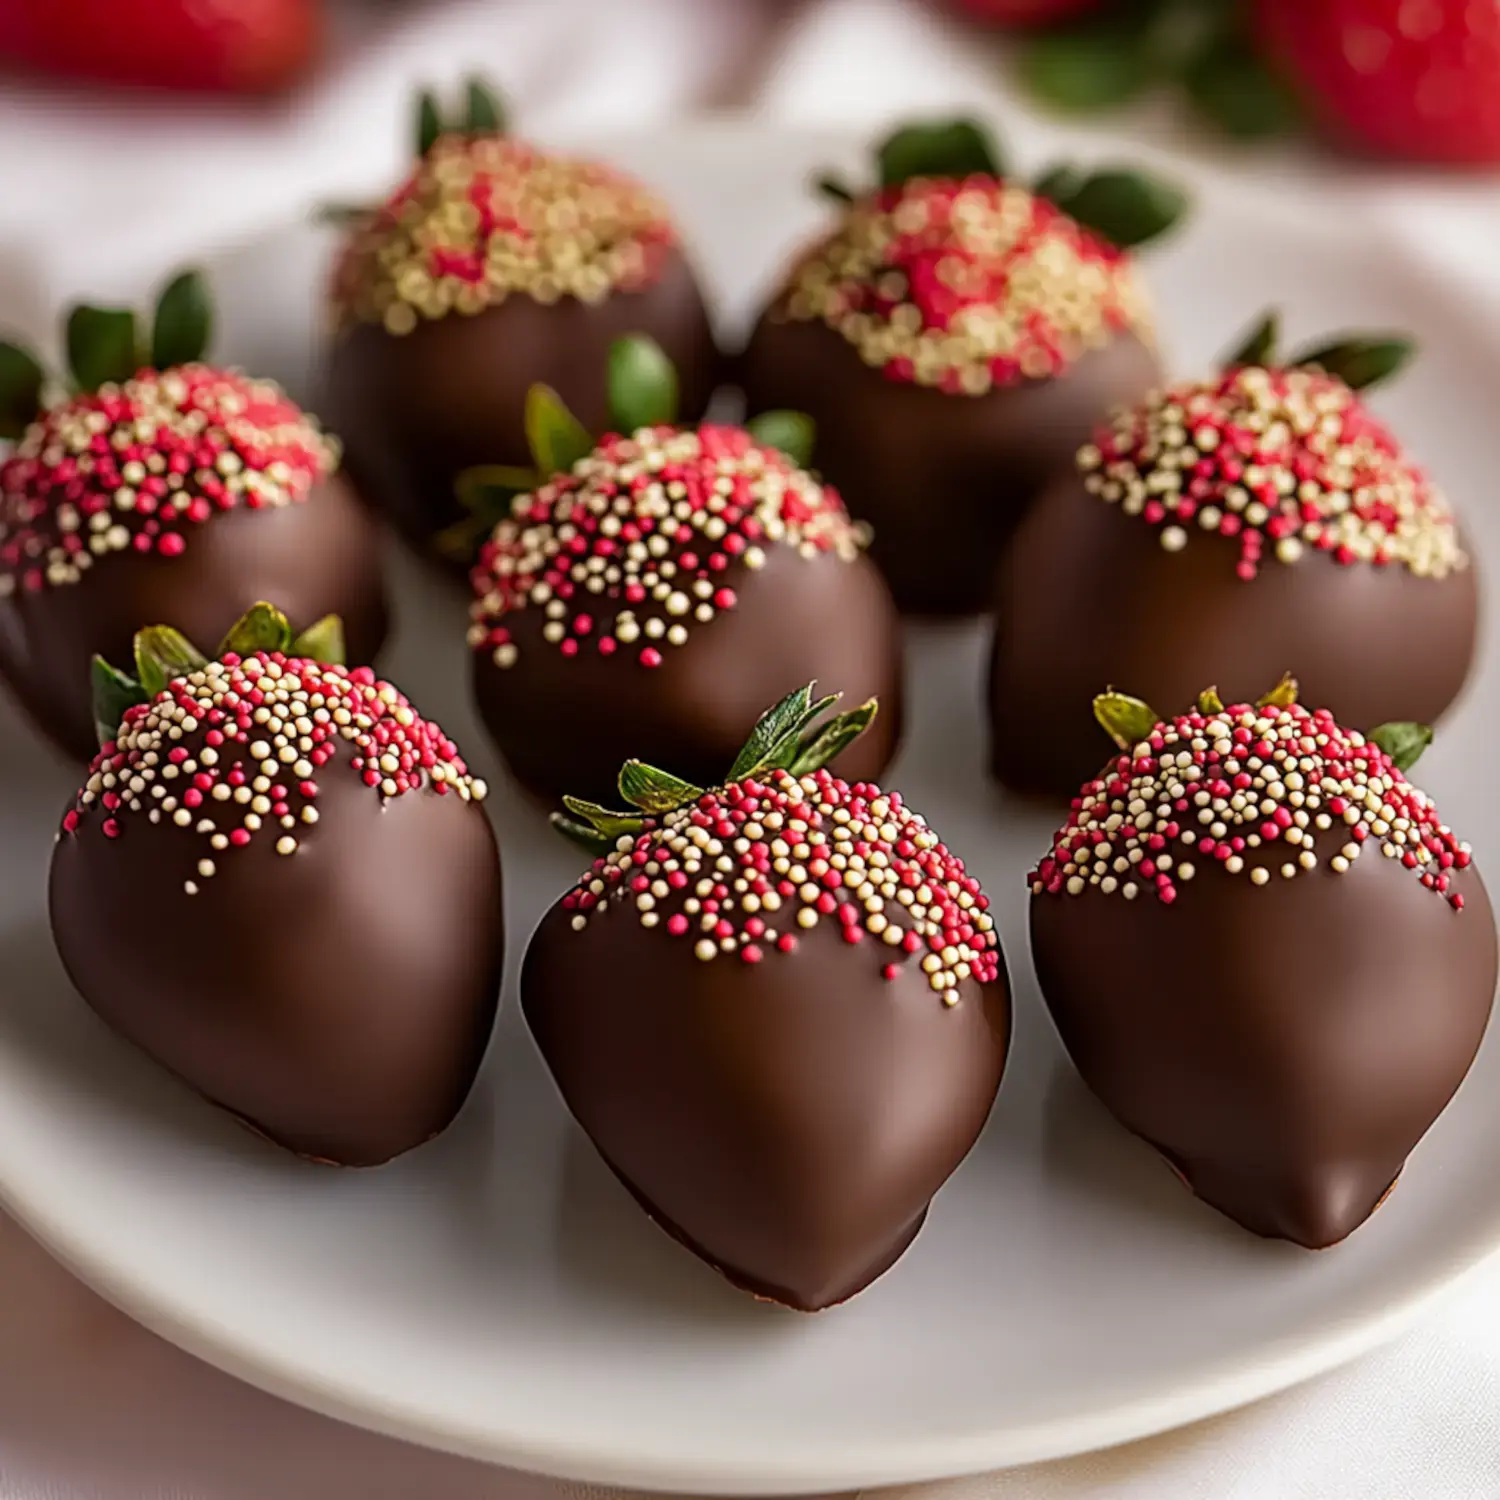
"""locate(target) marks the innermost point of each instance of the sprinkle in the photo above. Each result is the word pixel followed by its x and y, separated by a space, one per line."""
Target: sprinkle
pixel 482 217
pixel 1249 765
pixel 232 708
pixel 966 285
pixel 865 849
pixel 645 526
pixel 140 466
pixel 1292 458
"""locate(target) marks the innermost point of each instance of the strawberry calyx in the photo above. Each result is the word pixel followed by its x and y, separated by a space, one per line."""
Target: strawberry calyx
pixel 106 346
pixel 1127 208
pixel 794 736
pixel 1360 360
pixel 1131 721
pixel 642 390
pixel 163 654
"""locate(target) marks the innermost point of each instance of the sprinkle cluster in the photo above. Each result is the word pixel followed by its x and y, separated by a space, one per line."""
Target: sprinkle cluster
pixel 136 466
pixel 637 543
pixel 744 869
pixel 1282 460
pixel 1264 792
pixel 234 750
pixel 966 285
pixel 484 216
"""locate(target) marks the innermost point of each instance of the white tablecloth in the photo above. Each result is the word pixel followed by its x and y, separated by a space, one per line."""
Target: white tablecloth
pixel 91 1406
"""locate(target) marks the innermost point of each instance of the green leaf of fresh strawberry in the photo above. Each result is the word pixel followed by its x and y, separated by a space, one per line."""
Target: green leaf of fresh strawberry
pixel 793 433
pixel 162 655
pixel 1259 345
pixel 103 346
pixel 262 627
pixel 484 112
pixel 183 322
pixel 322 641
pixel 1127 721
pixel 113 693
pixel 642 385
pixel 557 439
pixel 1404 743
pixel 655 791
pixel 946 148
pixel 21 382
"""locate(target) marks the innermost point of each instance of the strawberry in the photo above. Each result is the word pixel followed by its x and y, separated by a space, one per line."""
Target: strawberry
pixel 1026 12
pixel 1416 81
pixel 210 46
pixel 778 1007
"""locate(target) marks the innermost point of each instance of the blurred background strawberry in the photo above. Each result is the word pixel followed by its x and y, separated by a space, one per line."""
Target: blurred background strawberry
pixel 1418 79
pixel 217 46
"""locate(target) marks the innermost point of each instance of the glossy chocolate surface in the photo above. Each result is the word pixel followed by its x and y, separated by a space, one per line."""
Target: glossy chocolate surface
pixel 416 410
pixel 790 1120
pixel 567 724
pixel 942 479
pixel 1088 599
pixel 312 558
pixel 339 999
pixel 1284 1046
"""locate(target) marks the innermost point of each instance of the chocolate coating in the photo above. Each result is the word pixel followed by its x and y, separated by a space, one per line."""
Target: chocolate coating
pixel 416 410
pixel 943 480
pixel 569 724
pixel 1088 599
pixel 340 1000
pixel 1283 1046
pixel 789 1121
pixel 313 558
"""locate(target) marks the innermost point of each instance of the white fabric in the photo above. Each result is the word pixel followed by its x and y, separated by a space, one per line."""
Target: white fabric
pixel 93 193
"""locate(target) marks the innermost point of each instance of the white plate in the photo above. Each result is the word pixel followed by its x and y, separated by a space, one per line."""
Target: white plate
pixel 496 1293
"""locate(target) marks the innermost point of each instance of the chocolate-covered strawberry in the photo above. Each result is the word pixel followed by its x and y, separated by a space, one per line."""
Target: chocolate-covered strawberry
pixel 660 588
pixel 495 266
pixel 151 486
pixel 1266 954
pixel 1217 531
pixel 778 1008
pixel 956 336
pixel 279 883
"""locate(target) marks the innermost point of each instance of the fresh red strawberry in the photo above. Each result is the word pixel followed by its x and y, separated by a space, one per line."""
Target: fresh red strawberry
pixel 1418 79
pixel 219 46
pixel 1026 12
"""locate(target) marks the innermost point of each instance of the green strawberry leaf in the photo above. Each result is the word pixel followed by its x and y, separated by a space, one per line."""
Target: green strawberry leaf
pixel 103 346
pixel 557 439
pixel 484 113
pixel 322 641
pixel 1127 721
pixel 429 122
pixel 1258 348
pixel 262 627
pixel 655 791
pixel 113 694
pixel 1283 695
pixel 1231 84
pixel 162 655
pixel 595 843
pixel 183 323
pixel 1404 743
pixel 1085 68
pixel 821 746
pixel 1126 208
pixel 1209 701
pixel 613 825
pixel 21 382
pixel 951 148
pixel 642 385
pixel 790 432
pixel 786 717
pixel 1361 362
